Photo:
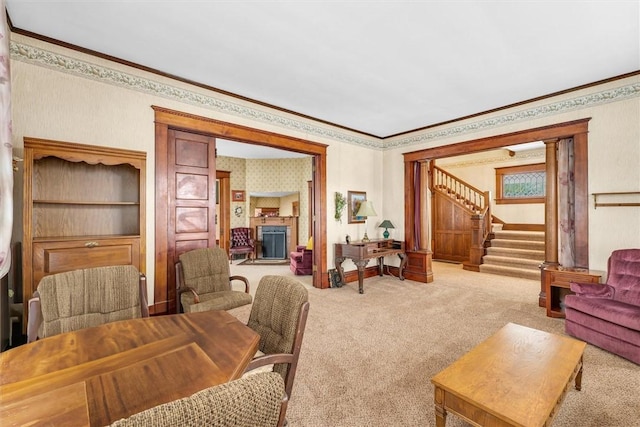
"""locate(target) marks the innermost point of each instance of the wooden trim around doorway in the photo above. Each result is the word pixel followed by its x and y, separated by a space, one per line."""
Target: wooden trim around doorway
pixel 166 119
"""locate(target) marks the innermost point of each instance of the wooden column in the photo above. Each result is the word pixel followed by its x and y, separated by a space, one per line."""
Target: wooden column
pixel 550 215
pixel 418 266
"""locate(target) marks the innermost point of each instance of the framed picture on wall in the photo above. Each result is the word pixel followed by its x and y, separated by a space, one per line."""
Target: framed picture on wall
pixel 237 195
pixel 354 199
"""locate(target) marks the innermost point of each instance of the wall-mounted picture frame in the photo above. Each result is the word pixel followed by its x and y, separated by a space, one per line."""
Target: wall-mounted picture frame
pixel 237 195
pixel 354 199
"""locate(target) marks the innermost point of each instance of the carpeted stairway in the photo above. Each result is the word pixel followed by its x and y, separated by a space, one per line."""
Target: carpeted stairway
pixel 515 253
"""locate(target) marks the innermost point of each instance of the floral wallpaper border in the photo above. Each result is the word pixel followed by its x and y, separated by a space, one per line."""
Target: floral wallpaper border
pixel 26 53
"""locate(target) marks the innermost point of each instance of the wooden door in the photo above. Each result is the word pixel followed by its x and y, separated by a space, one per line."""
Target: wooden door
pixel 191 199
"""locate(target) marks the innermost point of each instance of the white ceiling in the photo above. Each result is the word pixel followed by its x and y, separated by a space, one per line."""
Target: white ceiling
pixel 378 67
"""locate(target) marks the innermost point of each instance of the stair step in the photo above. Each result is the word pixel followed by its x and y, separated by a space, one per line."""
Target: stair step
pixel 520 235
pixel 510 261
pixel 518 244
pixel 510 271
pixel 532 254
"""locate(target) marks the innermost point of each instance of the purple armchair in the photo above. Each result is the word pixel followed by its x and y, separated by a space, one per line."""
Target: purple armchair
pixel 241 242
pixel 301 261
pixel 608 315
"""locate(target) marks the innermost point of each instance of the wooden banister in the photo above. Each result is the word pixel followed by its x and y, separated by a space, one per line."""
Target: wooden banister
pixel 464 193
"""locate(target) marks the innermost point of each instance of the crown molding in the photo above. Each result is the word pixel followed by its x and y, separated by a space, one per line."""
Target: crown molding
pixel 45 58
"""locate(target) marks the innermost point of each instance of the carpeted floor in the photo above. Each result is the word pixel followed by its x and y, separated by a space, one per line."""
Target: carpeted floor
pixel 262 261
pixel 367 359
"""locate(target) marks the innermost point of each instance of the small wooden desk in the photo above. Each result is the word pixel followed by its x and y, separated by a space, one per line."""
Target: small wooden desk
pixel 361 252
pixel 517 377
pixel 96 376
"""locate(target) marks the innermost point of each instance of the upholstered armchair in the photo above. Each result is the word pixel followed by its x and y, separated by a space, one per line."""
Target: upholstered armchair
pixel 608 315
pixel 279 315
pixel 258 400
pixel 301 261
pixel 241 242
pixel 77 299
pixel 203 282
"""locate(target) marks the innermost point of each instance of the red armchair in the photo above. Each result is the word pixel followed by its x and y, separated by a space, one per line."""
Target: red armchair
pixel 301 261
pixel 608 315
pixel 241 242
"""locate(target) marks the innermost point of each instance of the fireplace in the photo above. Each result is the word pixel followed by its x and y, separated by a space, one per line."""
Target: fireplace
pixel 274 242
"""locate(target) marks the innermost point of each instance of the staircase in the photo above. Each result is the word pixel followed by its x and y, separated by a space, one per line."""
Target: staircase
pixel 515 253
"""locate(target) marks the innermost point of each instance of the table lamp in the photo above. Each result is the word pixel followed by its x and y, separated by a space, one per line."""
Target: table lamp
pixel 366 210
pixel 386 224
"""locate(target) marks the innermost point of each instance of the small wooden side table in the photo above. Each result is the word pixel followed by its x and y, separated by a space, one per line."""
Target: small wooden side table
pixel 556 283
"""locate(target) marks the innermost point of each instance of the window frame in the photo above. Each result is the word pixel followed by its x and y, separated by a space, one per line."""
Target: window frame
pixel 512 170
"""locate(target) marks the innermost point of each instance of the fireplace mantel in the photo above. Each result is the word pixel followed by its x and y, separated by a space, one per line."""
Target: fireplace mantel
pixel 291 222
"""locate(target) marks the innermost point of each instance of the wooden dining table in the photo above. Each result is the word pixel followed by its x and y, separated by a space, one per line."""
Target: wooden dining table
pixel 95 376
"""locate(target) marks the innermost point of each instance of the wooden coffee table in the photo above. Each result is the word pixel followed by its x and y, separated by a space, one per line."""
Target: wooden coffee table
pixel 517 377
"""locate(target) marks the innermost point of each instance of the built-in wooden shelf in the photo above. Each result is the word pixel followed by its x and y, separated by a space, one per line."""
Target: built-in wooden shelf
pixel 615 196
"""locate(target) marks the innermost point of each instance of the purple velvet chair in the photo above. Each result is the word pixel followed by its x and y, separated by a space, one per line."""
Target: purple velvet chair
pixel 301 261
pixel 608 315
pixel 241 242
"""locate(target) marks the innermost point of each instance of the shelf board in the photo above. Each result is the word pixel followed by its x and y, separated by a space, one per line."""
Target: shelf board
pixel 70 238
pixel 90 203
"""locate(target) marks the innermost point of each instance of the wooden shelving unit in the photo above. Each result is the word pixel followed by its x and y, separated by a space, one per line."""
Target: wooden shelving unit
pixel 84 206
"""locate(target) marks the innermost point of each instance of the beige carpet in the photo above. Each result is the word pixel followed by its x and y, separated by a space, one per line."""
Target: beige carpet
pixel 367 359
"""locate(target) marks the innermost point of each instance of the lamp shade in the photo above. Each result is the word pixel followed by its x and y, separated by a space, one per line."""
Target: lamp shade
pixel 386 224
pixel 366 209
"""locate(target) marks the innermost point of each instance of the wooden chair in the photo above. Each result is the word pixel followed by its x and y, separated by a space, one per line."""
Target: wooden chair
pixel 279 316
pixel 241 242
pixel 204 282
pixel 258 400
pixel 84 298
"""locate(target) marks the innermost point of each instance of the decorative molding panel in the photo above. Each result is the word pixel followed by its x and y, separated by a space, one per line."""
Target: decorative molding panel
pixel 36 56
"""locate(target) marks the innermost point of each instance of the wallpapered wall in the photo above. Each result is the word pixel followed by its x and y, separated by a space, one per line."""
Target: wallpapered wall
pixel 268 175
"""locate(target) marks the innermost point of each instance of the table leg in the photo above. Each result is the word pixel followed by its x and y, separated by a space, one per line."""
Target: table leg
pixel 361 265
pixel 441 413
pixel 579 377
pixel 338 263
pixel 403 262
pixel 381 266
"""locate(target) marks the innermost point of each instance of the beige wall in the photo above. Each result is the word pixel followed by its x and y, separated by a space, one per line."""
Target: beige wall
pixel 65 95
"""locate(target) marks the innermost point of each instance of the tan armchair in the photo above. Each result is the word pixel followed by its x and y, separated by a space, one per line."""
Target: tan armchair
pixel 204 282
pixel 254 401
pixel 279 316
pixel 78 299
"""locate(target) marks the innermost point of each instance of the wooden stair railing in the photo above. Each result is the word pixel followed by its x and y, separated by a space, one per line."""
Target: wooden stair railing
pixel 474 200
pixel 464 193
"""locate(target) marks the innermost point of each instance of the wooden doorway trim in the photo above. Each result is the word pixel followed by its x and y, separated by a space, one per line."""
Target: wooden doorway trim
pixel 224 214
pixel 166 119
pixel 578 130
